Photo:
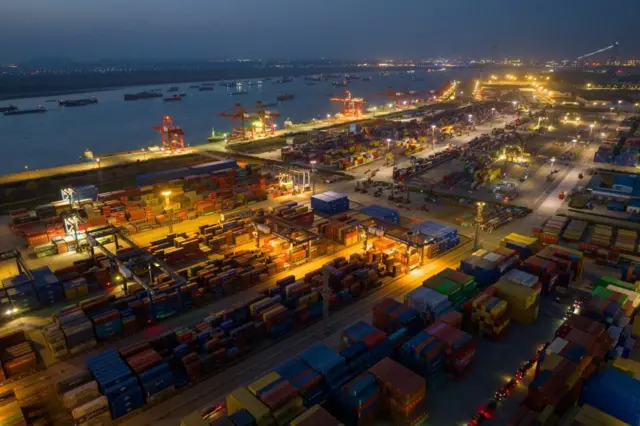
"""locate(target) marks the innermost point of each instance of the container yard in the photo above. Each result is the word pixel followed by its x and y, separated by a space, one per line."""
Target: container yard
pixel 237 292
pixel 434 333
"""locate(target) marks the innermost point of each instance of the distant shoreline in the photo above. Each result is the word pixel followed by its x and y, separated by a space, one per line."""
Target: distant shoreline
pixel 137 80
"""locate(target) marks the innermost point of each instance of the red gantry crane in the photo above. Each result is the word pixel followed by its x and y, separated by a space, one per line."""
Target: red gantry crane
pixel 265 121
pixel 172 135
pixel 352 107
pixel 238 114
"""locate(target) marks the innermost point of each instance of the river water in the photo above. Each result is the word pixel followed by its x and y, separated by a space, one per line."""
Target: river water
pixel 61 135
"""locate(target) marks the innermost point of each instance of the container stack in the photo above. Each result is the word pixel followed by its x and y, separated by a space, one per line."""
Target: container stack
pixel 553 227
pixel 279 396
pixel 523 245
pixel 540 270
pixel 390 316
pixel 468 284
pixel 444 237
pixel 21 291
pixel 47 286
pixel 522 294
pixel 241 401
pixel 425 354
pixel 431 304
pixel 117 383
pixel 575 230
pixel 77 329
pixel 589 415
pixel 625 241
pixel 569 361
pixel 316 416
pixel 460 347
pixel 487 267
pixel 358 400
pixel 329 364
pixel 488 315
pixel 402 392
pixel 602 236
pixel 606 281
pixel 106 322
pixel 304 379
pixel 18 357
pixel 560 255
pixel 363 345
pixel 382 213
pixel 330 203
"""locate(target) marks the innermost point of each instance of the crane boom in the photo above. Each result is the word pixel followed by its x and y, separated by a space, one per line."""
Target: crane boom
pixel 599 51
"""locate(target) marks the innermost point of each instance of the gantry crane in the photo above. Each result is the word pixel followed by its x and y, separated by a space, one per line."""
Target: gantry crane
pixel 238 114
pixel 352 107
pixel 265 121
pixel 172 135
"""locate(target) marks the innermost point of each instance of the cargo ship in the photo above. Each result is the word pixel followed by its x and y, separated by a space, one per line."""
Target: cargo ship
pixel 194 87
pixel 78 102
pixel 366 78
pixel 8 108
pixel 174 98
pixel 173 89
pixel 26 111
pixel 239 92
pixel 216 137
pixel 208 84
pixel 141 95
pixel 255 83
pixel 205 89
pixel 341 83
pixel 231 84
pixel 285 97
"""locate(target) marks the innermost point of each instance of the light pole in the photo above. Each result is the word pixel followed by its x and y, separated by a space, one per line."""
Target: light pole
pixel 375 108
pixel 313 181
pixel 480 207
pixel 553 160
pixel 166 195
pixel 98 162
pixel 389 106
pixel 635 106
pixel 574 141
pixel 591 126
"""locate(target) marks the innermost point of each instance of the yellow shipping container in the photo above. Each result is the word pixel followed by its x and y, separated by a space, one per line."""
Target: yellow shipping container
pixel 516 295
pixel 242 398
pixel 636 326
pixel 590 416
pixel 263 382
pixel 627 365
pixel 524 316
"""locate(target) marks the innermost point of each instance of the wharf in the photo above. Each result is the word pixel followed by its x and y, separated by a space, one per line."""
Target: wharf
pixel 207 149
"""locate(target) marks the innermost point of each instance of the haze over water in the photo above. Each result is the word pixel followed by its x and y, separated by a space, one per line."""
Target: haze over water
pixel 61 135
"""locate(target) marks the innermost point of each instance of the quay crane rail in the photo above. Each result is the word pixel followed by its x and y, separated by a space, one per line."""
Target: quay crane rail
pixel 352 107
pixel 172 136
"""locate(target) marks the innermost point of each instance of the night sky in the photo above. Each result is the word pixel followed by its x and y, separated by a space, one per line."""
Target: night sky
pixel 177 29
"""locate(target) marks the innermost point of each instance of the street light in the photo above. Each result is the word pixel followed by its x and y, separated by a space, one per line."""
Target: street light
pixel 313 182
pixel 480 207
pixel 553 160
pixel 98 161
pixel 166 195
pixel 470 117
pixel 591 126
pixel 375 108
